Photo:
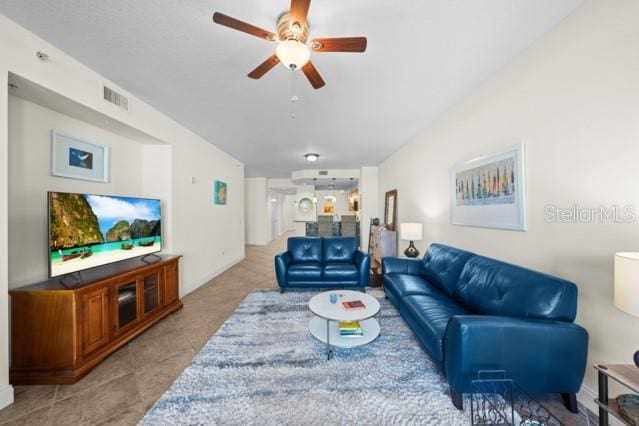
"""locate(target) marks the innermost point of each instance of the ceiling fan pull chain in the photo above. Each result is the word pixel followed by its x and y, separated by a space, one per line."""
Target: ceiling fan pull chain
pixel 294 97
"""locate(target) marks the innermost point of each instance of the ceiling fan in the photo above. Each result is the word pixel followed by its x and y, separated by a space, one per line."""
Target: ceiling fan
pixel 294 48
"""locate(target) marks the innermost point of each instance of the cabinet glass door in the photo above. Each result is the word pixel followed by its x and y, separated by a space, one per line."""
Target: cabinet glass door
pixel 127 304
pixel 151 285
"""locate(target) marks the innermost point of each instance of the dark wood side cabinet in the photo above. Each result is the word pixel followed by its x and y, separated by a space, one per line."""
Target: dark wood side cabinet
pixel 59 332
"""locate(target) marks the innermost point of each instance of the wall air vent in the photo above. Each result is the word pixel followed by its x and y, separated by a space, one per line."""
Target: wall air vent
pixel 323 172
pixel 115 98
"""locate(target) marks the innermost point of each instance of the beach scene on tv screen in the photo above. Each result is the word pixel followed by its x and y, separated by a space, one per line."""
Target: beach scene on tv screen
pixel 86 231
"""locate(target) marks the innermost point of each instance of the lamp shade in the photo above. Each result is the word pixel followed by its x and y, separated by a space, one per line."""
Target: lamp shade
pixel 410 231
pixel 627 282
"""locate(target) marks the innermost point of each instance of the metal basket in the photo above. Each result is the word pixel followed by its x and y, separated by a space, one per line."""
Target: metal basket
pixel 497 400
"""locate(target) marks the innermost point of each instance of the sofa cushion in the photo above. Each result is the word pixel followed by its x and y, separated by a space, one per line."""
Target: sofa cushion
pixel 428 316
pixel 442 265
pixel 304 272
pixel 305 249
pixel 491 287
pixel 340 272
pixel 339 249
pixel 400 285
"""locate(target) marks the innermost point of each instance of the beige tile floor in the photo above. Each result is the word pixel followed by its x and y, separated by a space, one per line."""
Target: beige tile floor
pixel 123 387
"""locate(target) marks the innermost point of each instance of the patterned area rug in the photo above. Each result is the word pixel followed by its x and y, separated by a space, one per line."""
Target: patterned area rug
pixel 264 368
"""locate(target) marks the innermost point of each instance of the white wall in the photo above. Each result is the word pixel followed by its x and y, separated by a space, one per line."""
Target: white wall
pixel 267 219
pixel 287 212
pixel 573 98
pixel 340 205
pixel 257 212
pixel 157 182
pixel 279 199
pixel 211 237
pixel 274 215
pixel 369 202
pixel 6 390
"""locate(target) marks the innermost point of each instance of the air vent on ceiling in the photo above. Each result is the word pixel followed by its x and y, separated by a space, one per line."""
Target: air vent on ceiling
pixel 115 98
pixel 323 172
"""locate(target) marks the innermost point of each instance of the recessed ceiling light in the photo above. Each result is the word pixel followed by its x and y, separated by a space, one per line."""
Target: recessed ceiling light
pixel 311 158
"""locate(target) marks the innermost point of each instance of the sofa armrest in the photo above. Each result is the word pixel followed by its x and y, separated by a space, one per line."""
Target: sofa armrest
pixel 401 265
pixel 363 263
pixel 542 356
pixel 282 261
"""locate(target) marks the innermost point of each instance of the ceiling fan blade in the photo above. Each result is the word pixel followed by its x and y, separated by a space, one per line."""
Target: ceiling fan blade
pixel 227 21
pixel 341 44
pixel 313 76
pixel 264 67
pixel 299 11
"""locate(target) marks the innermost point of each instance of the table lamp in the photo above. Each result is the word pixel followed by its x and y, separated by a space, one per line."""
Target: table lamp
pixel 411 232
pixel 627 286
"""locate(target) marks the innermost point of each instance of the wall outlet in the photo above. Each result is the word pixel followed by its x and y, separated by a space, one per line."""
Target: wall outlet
pixel 192 179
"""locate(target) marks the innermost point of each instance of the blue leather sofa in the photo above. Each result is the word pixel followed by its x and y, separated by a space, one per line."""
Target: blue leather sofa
pixel 322 262
pixel 472 313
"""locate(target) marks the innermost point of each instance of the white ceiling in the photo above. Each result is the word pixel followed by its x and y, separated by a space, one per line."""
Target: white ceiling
pixel 422 56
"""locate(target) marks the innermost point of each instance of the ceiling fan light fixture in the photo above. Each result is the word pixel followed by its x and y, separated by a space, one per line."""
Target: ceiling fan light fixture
pixel 293 54
pixel 311 158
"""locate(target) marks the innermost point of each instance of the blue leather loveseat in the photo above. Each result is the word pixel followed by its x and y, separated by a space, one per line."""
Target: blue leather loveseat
pixel 472 313
pixel 322 262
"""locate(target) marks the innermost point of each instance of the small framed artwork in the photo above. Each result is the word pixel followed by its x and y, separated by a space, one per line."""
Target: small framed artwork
pixel 390 210
pixel 219 192
pixel 78 159
pixel 489 191
pixel 305 205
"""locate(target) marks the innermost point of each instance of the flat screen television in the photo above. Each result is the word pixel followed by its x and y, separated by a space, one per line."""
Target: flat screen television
pixel 86 231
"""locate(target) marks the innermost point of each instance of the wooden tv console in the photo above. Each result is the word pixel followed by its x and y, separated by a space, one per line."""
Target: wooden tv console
pixel 59 332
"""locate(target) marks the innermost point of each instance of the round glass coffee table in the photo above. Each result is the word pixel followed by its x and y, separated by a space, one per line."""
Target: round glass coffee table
pixel 325 325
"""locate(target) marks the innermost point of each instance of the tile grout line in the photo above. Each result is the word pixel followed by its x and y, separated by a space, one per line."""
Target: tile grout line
pixel 187 339
pixel 53 402
pixel 22 415
pixel 95 385
pixel 233 286
pixel 135 378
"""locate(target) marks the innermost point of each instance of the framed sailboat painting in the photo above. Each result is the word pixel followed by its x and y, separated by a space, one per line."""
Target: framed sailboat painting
pixel 489 191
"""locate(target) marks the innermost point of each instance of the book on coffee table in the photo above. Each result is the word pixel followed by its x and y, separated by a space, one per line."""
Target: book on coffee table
pixel 354 304
pixel 349 325
pixel 350 329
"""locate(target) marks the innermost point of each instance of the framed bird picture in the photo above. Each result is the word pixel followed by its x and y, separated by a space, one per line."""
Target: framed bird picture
pixel 78 159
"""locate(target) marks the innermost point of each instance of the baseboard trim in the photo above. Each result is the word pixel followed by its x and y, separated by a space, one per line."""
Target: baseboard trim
pixel 6 396
pixel 208 277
